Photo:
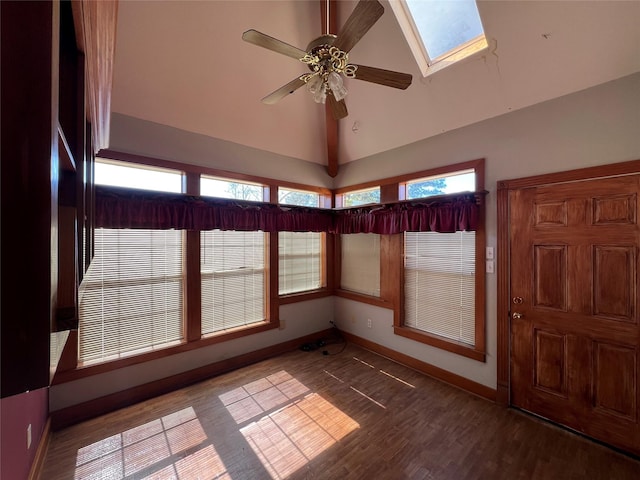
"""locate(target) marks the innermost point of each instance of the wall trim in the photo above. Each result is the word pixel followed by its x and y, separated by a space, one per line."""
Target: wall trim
pixel 423 367
pixel 41 452
pixel 99 406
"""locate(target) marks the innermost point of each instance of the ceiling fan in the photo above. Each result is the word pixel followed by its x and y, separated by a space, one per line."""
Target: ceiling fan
pixel 328 60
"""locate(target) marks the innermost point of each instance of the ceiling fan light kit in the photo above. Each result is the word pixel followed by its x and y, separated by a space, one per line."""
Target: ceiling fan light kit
pixel 328 59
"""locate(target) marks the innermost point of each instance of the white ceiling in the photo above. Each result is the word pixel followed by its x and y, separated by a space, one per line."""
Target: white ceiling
pixel 184 64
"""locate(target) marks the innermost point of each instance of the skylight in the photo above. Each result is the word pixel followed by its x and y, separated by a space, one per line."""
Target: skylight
pixel 440 32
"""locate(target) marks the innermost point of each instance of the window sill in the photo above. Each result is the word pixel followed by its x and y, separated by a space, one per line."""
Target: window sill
pixel 441 343
pixel 303 296
pixel 211 339
pixel 362 298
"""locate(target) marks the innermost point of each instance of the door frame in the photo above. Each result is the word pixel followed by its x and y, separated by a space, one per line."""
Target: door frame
pixel 504 187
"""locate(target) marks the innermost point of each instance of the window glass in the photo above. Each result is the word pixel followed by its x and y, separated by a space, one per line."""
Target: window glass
pixel 445 25
pixel 361 197
pixel 232 269
pixel 442 184
pixel 121 174
pixel 216 187
pixel 298 197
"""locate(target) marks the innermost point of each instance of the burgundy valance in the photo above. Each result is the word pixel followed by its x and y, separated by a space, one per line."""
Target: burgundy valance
pixel 125 208
pixel 444 215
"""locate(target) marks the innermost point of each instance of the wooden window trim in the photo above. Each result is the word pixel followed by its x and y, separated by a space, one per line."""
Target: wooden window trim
pixel 391 265
pixel 185 346
pixel 400 179
pixel 326 262
pixel 213 172
pixel 392 278
pixel 475 352
pixel 440 342
pixel 362 298
pixel 193 338
pixel 394 262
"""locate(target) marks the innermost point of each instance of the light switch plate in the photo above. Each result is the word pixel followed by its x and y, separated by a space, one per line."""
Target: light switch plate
pixel 489 266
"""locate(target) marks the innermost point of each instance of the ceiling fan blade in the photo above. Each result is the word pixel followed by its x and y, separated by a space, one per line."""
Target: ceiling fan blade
pixel 338 108
pixel 383 77
pixel 270 43
pixel 283 91
pixel 366 13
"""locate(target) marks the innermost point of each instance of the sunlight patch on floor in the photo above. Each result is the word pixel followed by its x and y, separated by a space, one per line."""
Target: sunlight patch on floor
pixel 284 423
pixel 153 449
pixel 287 439
pixel 256 398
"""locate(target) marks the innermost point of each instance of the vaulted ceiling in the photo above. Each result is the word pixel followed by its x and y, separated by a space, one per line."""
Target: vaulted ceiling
pixel 184 64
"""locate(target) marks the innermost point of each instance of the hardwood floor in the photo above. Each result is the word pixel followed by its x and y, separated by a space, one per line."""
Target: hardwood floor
pixel 349 415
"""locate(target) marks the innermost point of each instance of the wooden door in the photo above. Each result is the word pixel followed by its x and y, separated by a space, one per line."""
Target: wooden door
pixel 574 314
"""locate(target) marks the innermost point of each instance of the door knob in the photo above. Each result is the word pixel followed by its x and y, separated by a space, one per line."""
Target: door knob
pixel 516 316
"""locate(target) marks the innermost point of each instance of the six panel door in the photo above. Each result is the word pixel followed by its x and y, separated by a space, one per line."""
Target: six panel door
pixel 575 336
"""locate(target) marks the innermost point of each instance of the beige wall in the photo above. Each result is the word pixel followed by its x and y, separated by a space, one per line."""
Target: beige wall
pixel 141 137
pixel 299 319
pixel 597 126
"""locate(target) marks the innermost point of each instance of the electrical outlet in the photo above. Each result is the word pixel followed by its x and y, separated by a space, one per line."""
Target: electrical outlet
pixel 282 324
pixel 29 437
pixel 369 322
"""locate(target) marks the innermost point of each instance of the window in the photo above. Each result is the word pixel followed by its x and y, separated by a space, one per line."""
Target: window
pixel 300 254
pixel 300 261
pixel 440 32
pixel 232 269
pixel 232 265
pixel 131 296
pixel 135 298
pixel 361 197
pixel 439 284
pixel 442 303
pixel 298 197
pixel 222 188
pixel 464 181
pixel 360 265
pixel 121 174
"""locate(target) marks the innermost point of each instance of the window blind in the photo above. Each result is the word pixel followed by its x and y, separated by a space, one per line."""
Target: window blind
pixel 361 263
pixel 232 275
pixel 439 284
pixel 131 296
pixel 300 261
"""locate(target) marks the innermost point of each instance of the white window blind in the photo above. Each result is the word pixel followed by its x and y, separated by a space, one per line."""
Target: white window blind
pixel 131 296
pixel 233 284
pixel 300 261
pixel 439 284
pixel 360 266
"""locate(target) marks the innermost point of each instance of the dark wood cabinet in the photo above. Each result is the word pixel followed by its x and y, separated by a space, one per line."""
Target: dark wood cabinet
pixel 51 128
